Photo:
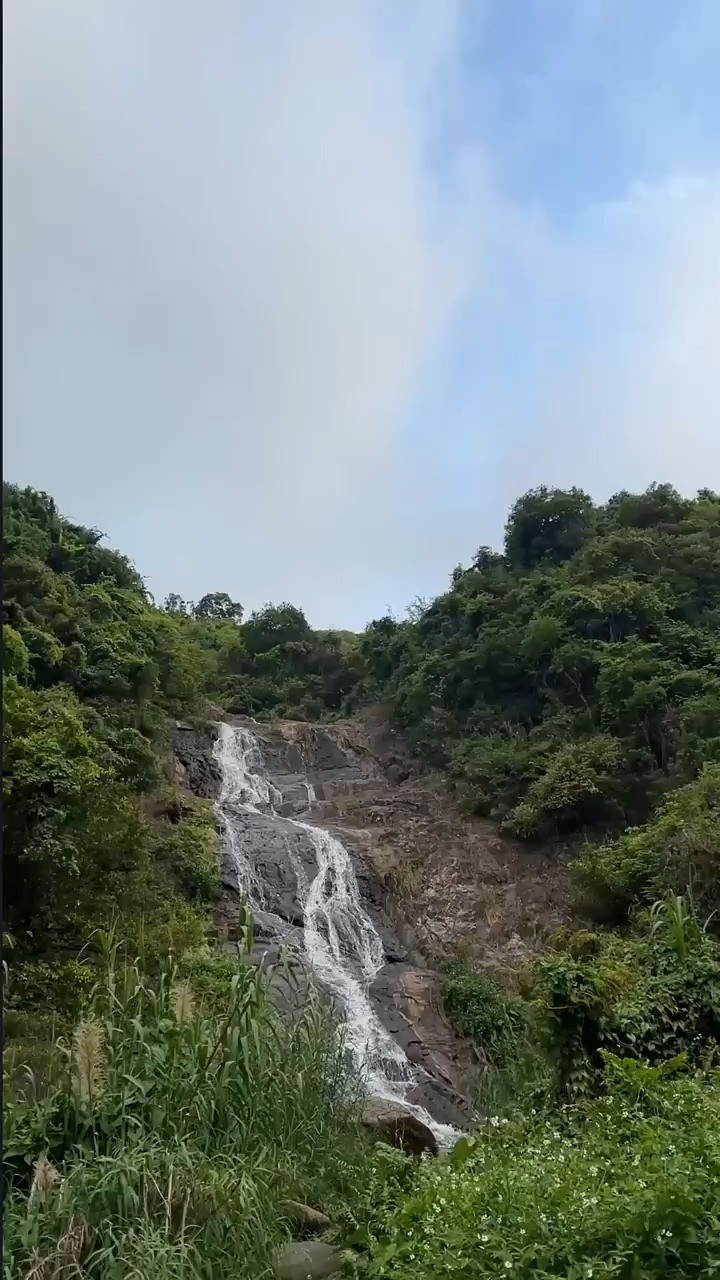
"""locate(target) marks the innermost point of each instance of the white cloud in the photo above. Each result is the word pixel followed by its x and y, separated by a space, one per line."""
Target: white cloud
pixel 251 335
pixel 226 270
pixel 632 393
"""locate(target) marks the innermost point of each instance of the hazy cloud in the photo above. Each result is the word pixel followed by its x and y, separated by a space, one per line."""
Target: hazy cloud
pixel 628 387
pixel 273 322
pixel 225 270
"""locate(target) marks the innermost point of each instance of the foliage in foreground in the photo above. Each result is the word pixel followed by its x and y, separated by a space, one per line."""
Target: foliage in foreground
pixel 185 1108
pixel 626 1187
pixel 653 996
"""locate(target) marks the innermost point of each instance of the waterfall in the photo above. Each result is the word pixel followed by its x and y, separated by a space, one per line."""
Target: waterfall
pixel 339 940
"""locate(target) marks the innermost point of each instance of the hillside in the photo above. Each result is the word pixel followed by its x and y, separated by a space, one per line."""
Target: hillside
pixel 522 781
pixel 572 684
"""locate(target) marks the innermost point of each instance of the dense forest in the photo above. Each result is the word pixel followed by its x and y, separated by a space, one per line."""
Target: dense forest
pixel 573 683
pixel 569 686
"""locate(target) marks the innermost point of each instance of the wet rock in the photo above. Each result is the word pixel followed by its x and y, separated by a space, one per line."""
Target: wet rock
pixel 407 1004
pixel 311 1260
pixel 318 775
pixel 274 848
pixel 392 1124
pixel 302 1216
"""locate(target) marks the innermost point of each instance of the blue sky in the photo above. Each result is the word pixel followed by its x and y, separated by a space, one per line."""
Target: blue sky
pixel 582 100
pixel 300 296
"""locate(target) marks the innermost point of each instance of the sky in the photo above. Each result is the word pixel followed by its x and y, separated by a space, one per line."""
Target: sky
pixel 301 295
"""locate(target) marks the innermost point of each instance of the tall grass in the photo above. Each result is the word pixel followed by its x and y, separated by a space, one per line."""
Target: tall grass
pixel 186 1109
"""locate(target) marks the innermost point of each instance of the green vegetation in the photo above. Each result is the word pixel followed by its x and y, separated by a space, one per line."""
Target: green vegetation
pixel 650 996
pixel 679 846
pixel 622 1187
pixel 94 828
pixel 91 671
pixel 494 1019
pixel 573 685
pixel 185 1109
pixel 158 1109
pixel 273 664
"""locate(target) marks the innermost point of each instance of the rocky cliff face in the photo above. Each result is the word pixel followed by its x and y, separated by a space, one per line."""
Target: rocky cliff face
pixel 430 878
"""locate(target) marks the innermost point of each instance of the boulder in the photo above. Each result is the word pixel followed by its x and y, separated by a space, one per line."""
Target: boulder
pixel 303 1216
pixel 391 1123
pixel 311 1260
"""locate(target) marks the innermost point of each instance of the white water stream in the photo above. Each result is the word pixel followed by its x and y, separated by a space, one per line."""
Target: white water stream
pixel 340 941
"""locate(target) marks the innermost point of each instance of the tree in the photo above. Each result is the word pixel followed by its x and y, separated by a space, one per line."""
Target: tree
pixel 175 604
pixel 218 607
pixel 548 525
pixel 273 625
pixel 678 850
pixel 599 626
pixel 659 507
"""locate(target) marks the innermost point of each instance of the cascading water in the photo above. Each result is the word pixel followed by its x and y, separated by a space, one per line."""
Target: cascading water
pixel 340 941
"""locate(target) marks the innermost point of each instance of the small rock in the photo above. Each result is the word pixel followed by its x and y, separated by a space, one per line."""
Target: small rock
pixel 311 1260
pixel 303 1215
pixel 397 1127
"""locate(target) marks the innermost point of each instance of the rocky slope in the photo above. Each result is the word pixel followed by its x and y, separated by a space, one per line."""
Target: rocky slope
pixel 431 879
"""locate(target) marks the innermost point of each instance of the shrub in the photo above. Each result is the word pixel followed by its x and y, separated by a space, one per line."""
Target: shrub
pixel 678 849
pixel 481 1010
pixel 513 1071
pixel 61 988
pixel 190 847
pixel 624 1186
pixel 577 787
pixel 648 998
pixel 498 771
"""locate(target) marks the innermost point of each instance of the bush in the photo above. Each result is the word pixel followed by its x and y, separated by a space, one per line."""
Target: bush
pixel 576 788
pixel 61 988
pixel 625 1186
pixel 481 1010
pixel 498 771
pixel 190 847
pixel 679 849
pixel 513 1072
pixel 648 998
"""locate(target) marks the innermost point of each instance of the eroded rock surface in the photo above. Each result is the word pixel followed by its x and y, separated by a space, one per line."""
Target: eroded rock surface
pixel 430 877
